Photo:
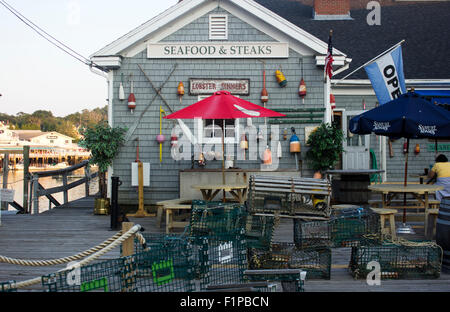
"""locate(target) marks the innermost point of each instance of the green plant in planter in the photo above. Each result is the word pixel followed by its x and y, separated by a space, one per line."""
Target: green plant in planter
pixel 103 142
pixel 325 147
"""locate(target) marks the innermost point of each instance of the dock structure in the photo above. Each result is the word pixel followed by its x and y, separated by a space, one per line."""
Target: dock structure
pixel 71 228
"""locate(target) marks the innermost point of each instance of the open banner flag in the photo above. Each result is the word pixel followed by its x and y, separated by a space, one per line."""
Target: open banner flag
pixel 387 77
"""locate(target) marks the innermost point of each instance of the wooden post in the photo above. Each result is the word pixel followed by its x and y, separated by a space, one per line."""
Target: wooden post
pixel 87 175
pixel 65 192
pixel 141 211
pixel 35 181
pixel 128 244
pixel 5 178
pixel 26 177
pixel 141 185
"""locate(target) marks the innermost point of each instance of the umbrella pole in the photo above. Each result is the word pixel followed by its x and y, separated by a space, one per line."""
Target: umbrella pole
pixel 406 180
pixel 405 229
pixel 223 159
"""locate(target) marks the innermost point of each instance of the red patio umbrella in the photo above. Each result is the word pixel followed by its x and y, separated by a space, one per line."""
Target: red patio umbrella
pixel 223 105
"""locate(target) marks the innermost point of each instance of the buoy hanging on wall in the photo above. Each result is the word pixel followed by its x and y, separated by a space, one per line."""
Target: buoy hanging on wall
pixel 264 93
pixel 180 90
pixel 121 91
pixel 244 143
pixel 302 90
pixel 417 149
pixel 174 141
pixel 294 143
pixel 131 98
pixel 267 156
pixel 280 78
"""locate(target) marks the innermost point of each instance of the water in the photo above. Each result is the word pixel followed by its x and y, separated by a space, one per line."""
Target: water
pixel 15 181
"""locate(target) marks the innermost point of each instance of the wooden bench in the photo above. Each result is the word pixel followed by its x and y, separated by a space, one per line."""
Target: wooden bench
pixel 170 206
pixel 378 203
pixel 289 196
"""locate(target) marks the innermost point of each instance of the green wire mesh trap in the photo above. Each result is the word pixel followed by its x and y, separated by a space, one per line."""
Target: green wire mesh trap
pixel 106 276
pixel 221 261
pixel 315 261
pixel 343 230
pixel 259 231
pixel 166 267
pixel 215 219
pixel 290 281
pixel 8 286
pixel 397 259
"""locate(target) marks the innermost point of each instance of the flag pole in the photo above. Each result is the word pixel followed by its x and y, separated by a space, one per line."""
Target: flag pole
pixel 380 55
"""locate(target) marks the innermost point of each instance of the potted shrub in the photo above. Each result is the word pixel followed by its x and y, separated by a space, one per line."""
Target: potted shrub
pixel 325 147
pixel 103 142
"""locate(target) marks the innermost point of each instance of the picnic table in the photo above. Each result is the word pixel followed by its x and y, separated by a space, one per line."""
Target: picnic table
pixel 420 193
pixel 209 191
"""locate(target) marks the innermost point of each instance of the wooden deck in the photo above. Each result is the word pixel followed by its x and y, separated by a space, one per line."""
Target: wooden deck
pixel 72 228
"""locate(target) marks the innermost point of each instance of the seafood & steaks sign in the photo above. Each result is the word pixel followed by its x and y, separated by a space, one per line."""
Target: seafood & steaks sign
pixel 218 50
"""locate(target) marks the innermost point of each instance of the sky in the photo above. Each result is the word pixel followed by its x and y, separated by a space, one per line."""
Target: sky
pixel 35 75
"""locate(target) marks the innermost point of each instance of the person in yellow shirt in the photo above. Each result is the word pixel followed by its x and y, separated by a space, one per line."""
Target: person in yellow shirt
pixel 441 170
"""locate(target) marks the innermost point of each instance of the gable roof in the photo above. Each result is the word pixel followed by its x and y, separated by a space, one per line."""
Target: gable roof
pixel 166 21
pixel 424 26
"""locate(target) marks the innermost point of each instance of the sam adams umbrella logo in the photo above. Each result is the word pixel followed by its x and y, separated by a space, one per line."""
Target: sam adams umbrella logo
pixel 381 126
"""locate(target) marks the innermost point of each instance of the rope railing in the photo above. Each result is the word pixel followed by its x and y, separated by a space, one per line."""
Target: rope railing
pixel 88 255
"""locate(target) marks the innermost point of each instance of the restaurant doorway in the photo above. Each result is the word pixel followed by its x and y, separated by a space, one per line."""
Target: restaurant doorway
pixel 356 147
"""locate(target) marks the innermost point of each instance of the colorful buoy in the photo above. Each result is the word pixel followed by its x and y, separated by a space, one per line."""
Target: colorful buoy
pixel 294 144
pixel 280 78
pixel 302 90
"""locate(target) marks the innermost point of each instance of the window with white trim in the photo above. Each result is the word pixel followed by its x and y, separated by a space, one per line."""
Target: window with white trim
pixel 212 129
pixel 218 27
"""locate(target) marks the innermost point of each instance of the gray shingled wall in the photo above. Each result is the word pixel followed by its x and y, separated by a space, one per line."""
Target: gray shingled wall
pixel 164 176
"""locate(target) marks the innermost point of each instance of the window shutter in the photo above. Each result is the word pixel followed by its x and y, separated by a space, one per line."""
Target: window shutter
pixel 218 27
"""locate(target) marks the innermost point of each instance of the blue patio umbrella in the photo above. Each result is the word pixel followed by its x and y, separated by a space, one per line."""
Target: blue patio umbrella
pixel 409 116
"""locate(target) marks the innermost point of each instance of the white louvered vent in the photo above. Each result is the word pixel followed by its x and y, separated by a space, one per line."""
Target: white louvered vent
pixel 218 27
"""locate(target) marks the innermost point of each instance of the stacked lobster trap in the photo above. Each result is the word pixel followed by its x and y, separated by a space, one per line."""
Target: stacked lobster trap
pixel 396 259
pixel 306 197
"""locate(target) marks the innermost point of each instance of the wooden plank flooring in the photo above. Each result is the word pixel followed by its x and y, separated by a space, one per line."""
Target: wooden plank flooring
pixel 67 230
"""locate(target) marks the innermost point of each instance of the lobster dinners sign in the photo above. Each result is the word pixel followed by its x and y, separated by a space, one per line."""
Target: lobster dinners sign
pixel 216 50
pixel 209 86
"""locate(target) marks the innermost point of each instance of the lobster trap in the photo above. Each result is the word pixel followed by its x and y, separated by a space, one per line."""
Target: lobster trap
pixel 289 196
pixel 399 259
pixel 215 220
pixel 292 280
pixel 167 267
pixel 8 286
pixel 343 230
pixel 315 261
pixel 259 231
pixel 107 276
pixel 221 261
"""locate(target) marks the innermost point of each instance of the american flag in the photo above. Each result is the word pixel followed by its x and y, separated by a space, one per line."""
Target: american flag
pixel 329 59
